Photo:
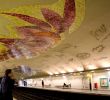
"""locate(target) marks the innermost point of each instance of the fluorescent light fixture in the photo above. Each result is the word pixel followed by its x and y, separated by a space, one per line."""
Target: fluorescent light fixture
pixel 50 73
pixel 107 69
pixel 56 72
pixel 64 77
pixel 92 71
pixel 56 75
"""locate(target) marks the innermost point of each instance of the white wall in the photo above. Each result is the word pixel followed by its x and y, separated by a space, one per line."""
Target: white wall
pixel 77 82
pixel 96 79
pixel 85 83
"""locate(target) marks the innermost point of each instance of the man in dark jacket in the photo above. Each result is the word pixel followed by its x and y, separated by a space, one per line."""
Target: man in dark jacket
pixel 7 85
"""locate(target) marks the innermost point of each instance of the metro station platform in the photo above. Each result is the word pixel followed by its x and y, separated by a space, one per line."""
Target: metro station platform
pixel 24 93
pixel 85 91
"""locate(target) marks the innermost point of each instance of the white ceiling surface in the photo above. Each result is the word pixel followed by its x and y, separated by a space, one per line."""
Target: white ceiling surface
pixel 62 58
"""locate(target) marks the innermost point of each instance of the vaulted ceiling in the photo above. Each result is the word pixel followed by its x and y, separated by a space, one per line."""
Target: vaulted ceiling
pixel 54 36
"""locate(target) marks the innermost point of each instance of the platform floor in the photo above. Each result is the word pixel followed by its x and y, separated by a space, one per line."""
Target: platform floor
pixel 81 91
pixel 104 92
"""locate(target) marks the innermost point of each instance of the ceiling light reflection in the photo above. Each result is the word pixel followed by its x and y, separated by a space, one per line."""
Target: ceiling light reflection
pixel 64 77
pixel 92 71
pixel 80 68
pixel 105 64
pixel 91 66
pixel 107 69
pixel 56 72
pixel 70 70
pixel 50 73
pixel 62 71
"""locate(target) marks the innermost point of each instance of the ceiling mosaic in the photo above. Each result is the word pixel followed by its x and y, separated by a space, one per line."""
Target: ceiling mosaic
pixel 60 36
pixel 33 29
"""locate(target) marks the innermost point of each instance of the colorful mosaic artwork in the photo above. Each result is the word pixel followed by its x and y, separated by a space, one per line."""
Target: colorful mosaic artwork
pixel 34 29
pixel 100 33
pixel 83 56
pixel 99 48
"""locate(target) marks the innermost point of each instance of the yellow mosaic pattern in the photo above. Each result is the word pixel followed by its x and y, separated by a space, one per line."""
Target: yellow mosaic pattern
pixel 8 22
pixel 35 11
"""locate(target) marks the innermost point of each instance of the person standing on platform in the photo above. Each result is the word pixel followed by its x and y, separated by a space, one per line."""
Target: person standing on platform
pixel 90 84
pixel 7 85
pixel 42 83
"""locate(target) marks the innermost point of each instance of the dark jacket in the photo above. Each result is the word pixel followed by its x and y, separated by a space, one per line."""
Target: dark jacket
pixel 0 92
pixel 7 85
